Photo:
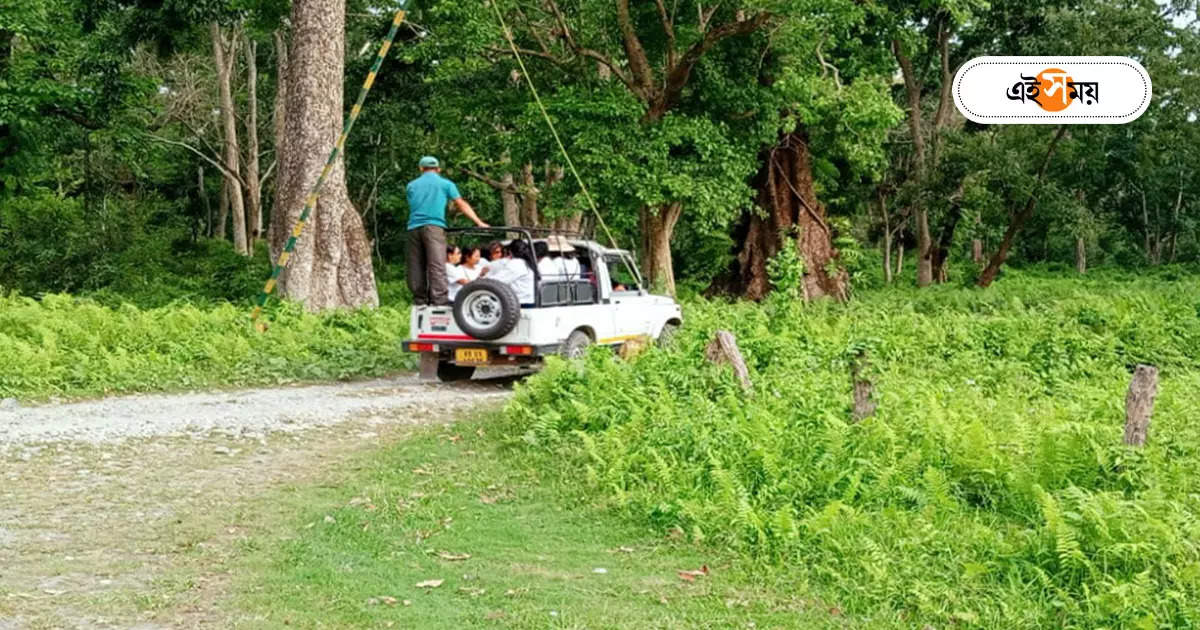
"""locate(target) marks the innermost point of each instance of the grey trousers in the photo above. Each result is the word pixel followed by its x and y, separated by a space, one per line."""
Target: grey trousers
pixel 426 258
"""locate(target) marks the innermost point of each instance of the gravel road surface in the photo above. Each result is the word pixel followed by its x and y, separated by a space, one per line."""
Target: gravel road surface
pixel 127 513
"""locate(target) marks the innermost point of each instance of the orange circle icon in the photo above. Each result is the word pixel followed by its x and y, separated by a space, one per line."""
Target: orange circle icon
pixel 1053 90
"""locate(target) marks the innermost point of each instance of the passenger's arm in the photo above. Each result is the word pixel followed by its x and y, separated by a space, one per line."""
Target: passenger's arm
pixel 466 209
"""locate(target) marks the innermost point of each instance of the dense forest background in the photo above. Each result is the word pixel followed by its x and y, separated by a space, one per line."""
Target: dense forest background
pixel 139 139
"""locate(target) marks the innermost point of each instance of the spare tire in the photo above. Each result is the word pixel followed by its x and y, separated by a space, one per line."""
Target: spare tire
pixel 487 309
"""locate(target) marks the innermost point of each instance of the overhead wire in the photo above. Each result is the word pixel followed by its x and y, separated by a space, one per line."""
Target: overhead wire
pixel 554 132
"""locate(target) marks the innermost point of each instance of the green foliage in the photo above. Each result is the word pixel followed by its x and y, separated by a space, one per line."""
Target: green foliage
pixel 786 271
pixel 989 489
pixel 62 346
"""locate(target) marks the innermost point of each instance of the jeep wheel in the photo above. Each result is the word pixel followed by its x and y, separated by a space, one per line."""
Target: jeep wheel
pixel 448 372
pixel 487 309
pixel 666 338
pixel 575 345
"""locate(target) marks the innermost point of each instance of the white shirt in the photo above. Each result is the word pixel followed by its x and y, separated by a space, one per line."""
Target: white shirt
pixel 517 274
pixel 551 269
pixel 571 268
pixel 454 273
pixel 472 274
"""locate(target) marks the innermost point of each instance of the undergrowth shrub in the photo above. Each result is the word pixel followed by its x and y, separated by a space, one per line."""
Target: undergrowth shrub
pixel 989 489
pixel 65 346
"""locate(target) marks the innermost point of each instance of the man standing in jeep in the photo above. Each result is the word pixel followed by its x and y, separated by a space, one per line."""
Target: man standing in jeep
pixel 428 197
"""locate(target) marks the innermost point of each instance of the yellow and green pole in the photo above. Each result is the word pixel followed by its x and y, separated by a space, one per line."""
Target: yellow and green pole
pixel 311 200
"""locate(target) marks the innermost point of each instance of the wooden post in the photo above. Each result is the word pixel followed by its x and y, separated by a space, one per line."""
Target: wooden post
pixel 1139 404
pixel 724 349
pixel 864 405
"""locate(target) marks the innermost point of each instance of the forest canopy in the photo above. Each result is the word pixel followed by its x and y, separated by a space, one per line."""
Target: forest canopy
pixel 135 136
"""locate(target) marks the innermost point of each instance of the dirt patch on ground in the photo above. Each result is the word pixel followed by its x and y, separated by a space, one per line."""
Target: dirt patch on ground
pixel 137 528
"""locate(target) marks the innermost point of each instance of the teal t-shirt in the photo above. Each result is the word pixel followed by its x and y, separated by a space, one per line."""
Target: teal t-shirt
pixel 428 196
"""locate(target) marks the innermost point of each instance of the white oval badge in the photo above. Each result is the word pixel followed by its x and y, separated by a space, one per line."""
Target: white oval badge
pixel 1052 90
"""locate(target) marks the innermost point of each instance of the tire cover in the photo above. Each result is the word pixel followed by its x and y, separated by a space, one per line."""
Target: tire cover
pixel 487 309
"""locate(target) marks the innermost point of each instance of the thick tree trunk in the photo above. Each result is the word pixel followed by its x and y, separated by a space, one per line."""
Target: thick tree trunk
pixel 332 264
pixel 253 193
pixel 658 225
pixel 222 211
pixel 224 61
pixel 790 210
pixel 1080 255
pixel 993 268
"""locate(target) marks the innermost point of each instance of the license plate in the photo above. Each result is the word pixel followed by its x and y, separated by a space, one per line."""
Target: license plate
pixel 470 355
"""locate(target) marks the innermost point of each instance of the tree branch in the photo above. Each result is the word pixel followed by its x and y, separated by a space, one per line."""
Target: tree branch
pixel 913 90
pixel 498 185
pixel 678 77
pixel 639 64
pixel 668 25
pixel 225 171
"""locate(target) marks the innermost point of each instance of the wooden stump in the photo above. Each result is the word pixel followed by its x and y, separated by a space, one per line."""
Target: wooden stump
pixel 864 403
pixel 724 349
pixel 1139 404
pixel 634 347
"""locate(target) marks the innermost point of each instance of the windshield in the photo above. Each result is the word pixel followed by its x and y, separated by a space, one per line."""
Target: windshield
pixel 619 272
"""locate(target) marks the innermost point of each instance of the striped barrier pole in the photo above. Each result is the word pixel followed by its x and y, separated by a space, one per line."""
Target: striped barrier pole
pixel 290 247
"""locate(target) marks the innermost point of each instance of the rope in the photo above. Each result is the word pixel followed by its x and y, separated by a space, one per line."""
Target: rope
pixel 311 201
pixel 554 131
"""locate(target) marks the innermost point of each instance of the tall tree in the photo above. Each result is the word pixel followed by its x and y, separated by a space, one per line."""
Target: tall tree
pixel 224 58
pixel 332 264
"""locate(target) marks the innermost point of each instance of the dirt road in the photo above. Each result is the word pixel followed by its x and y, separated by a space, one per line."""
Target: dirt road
pixel 125 512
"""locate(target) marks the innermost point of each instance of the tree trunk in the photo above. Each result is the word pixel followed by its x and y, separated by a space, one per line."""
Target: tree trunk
pixel 790 207
pixel 993 268
pixel 887 237
pixel 253 193
pixel 1080 255
pixel 946 238
pixel 509 200
pixel 529 197
pixel 900 256
pixel 224 61
pixel 977 250
pixel 222 210
pixel 203 192
pixel 279 113
pixel 658 225
pixel 332 264
pixel 916 126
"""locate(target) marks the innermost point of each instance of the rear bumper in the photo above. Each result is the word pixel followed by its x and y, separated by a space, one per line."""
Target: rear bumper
pixel 498 353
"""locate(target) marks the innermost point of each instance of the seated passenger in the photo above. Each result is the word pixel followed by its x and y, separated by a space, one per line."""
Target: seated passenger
pixel 549 265
pixel 517 269
pixel 471 263
pixel 455 276
pixel 562 255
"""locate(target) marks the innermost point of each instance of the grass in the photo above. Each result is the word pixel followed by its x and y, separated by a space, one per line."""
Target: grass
pixel 535 546
pixel 61 346
pixel 989 488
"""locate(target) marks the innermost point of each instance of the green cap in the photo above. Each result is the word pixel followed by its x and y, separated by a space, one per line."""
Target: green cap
pixel 429 162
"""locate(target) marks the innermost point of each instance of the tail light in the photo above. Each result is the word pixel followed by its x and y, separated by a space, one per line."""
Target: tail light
pixel 519 350
pixel 421 347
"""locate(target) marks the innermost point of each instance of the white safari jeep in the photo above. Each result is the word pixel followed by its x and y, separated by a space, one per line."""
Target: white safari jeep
pixel 605 304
